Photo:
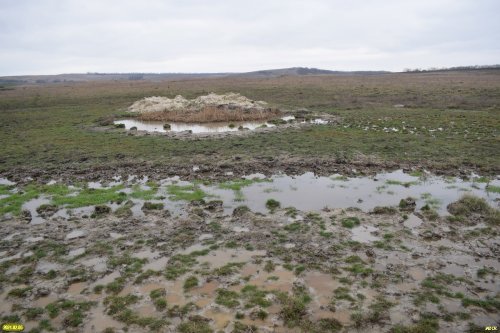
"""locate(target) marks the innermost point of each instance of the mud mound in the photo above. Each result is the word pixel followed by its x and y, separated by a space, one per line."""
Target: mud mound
pixel 211 107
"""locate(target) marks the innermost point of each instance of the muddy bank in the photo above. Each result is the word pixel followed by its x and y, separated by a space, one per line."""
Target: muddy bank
pixel 218 168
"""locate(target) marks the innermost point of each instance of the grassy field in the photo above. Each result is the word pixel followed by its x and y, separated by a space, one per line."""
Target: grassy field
pixel 451 120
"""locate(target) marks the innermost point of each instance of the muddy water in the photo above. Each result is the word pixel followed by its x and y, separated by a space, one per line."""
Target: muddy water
pixel 218 127
pixel 322 285
pixel 32 205
pixel 157 126
pixel 214 127
pixel 220 258
pixel 308 192
pixel 278 279
pixel 99 321
pixel 364 234
pixel 5 181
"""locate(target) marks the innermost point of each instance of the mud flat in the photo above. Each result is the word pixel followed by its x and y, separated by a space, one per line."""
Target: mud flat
pixel 177 256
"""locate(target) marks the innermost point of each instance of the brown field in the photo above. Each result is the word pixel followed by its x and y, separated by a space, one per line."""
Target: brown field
pixel 48 126
pixel 461 90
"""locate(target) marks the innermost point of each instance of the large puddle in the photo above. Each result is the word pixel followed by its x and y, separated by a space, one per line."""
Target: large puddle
pixel 213 127
pixel 306 192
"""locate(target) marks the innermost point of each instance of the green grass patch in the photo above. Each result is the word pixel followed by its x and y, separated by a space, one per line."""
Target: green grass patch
pixel 179 265
pixel 481 179
pixel 238 184
pixel 295 227
pixel 19 292
pixel 14 202
pixel 115 304
pixel 228 269
pixel 196 324
pixel 254 297
pixel 272 204
pixel 152 206
pixel 493 189
pixel 33 313
pixel 468 205
pixel 359 269
pixel 483 272
pixel 129 265
pixel 190 283
pixel 185 192
pixel 145 194
pixel 350 222
pixel 489 303
pixel 90 197
pixel 6 189
pixel 227 298
pixel 55 308
pixel 426 324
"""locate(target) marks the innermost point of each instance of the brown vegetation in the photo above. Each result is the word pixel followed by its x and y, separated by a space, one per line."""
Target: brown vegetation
pixel 212 114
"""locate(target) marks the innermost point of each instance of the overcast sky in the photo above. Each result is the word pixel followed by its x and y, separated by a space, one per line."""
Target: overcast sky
pixel 71 36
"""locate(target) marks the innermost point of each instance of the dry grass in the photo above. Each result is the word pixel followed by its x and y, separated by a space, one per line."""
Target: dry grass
pixel 47 128
pixel 212 114
pixel 465 90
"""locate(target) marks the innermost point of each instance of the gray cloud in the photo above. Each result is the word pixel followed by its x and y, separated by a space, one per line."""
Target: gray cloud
pixel 55 36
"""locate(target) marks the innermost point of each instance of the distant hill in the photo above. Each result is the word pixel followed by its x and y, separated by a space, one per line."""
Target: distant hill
pixel 295 71
pixel 40 79
pixel 292 71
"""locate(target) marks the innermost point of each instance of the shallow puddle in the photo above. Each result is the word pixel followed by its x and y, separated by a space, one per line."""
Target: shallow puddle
pixel 193 248
pixel 413 222
pixel 207 289
pixel 212 127
pixel 220 258
pixel 278 279
pixel 147 288
pixel 220 319
pixel 99 321
pixel 217 127
pixel 44 301
pixel 146 254
pixel 417 273
pixel 106 279
pixel 76 288
pixel 323 286
pixel 32 205
pixel 5 181
pixel 147 310
pixel 344 316
pixel 97 264
pixel 157 264
pixel 363 234
pixel 308 192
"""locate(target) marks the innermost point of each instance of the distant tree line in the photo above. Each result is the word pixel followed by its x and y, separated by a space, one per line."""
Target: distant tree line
pixel 458 68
